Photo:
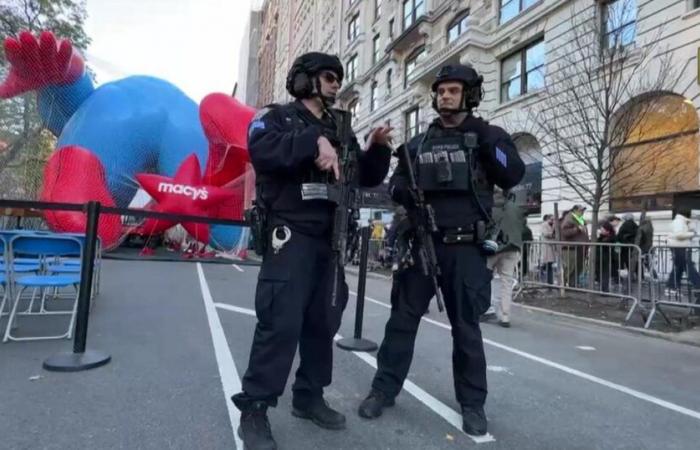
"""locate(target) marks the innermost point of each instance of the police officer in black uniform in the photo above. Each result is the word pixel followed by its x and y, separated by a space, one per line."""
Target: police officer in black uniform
pixel 458 184
pixel 293 149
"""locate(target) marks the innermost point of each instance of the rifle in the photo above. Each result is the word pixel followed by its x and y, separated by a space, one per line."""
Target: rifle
pixel 343 194
pixel 423 221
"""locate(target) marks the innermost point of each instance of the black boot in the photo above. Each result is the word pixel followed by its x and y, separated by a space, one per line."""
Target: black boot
pixel 318 411
pixel 474 420
pixel 372 406
pixel 254 429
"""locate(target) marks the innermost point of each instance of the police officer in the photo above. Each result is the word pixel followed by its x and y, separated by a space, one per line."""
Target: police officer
pixel 458 184
pixel 293 149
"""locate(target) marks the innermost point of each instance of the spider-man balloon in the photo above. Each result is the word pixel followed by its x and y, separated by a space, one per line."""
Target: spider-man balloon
pixel 110 134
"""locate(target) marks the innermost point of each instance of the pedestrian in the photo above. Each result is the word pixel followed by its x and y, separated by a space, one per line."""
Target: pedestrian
pixel 681 242
pixel 510 219
pixel 548 257
pixel 574 230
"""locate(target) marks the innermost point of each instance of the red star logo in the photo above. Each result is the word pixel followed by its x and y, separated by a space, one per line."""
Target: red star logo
pixel 183 194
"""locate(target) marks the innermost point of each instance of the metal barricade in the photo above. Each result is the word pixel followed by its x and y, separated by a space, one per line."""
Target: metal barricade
pixel 673 279
pixel 567 266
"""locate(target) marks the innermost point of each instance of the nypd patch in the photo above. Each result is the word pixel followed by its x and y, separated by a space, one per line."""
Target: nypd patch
pixel 256 125
pixel 501 157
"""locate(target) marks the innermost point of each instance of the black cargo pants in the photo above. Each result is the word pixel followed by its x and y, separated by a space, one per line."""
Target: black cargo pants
pixel 293 307
pixel 466 286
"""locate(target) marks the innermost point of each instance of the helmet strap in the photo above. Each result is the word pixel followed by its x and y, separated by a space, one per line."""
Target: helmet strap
pixel 325 99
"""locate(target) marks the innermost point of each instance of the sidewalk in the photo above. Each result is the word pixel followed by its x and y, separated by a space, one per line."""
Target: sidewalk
pixel 603 312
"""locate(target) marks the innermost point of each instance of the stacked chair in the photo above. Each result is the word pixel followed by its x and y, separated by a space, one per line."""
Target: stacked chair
pixel 45 264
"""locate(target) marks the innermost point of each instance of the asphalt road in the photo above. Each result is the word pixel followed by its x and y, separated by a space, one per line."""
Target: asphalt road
pixel 180 337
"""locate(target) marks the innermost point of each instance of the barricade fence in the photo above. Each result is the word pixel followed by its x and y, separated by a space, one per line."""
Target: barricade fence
pixel 672 280
pixel 664 277
pixel 605 269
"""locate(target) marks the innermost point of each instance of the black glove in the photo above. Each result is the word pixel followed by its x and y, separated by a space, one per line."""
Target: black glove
pixel 402 195
pixel 481 128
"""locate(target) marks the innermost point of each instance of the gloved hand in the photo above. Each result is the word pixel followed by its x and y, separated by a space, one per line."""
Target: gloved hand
pixel 37 63
pixel 402 195
pixel 480 127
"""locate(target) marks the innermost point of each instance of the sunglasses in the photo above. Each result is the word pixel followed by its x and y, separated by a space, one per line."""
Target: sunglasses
pixel 331 78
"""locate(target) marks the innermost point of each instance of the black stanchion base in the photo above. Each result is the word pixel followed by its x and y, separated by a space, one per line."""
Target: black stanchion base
pixel 75 362
pixel 356 345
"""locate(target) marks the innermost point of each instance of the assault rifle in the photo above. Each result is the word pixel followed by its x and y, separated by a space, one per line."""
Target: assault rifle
pixel 423 222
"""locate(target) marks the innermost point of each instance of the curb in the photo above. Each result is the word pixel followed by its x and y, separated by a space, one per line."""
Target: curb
pixel 642 331
pixel 634 330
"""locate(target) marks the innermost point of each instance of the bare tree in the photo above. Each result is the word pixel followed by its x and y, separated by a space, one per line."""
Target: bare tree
pixel 601 99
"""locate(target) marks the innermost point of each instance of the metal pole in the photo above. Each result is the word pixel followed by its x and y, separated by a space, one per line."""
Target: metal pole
pixel 357 343
pixel 87 267
pixel 82 359
pixel 558 250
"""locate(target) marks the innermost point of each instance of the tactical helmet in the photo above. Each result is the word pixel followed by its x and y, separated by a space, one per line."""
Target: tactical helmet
pixel 305 67
pixel 470 79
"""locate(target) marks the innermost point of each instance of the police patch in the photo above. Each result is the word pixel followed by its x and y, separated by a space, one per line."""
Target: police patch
pixel 501 157
pixel 256 125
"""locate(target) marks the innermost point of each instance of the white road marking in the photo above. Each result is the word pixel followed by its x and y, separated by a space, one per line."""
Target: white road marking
pixel 444 411
pixel 617 387
pixel 237 267
pixel 238 309
pixel 586 348
pixel 499 369
pixel 450 415
pixel 230 380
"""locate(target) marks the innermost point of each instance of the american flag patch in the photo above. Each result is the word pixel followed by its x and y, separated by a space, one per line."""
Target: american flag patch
pixel 501 157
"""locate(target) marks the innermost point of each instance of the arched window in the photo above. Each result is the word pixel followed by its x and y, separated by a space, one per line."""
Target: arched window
pixel 528 193
pixel 457 26
pixel 411 63
pixel 654 152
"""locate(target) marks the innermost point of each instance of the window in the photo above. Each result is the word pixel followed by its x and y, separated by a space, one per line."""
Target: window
pixel 457 27
pixel 411 64
pixel 511 8
pixel 522 71
pixel 377 9
pixel 376 51
pixel 411 123
pixel 528 193
pixel 353 107
pixel 353 28
pixel 619 23
pixel 391 29
pixel 412 10
pixel 652 133
pixel 388 82
pixel 352 68
pixel 696 4
pixel 374 97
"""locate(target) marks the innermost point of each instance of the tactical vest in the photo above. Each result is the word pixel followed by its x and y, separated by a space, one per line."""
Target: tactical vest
pixel 443 162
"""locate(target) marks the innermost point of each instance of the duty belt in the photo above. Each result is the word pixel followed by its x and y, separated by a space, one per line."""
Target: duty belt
pixel 458 235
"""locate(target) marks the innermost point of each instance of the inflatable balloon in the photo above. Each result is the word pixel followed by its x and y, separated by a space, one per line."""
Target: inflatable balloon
pixel 107 136
pixel 185 193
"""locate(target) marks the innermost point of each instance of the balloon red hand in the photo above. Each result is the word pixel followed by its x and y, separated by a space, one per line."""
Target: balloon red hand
pixel 37 63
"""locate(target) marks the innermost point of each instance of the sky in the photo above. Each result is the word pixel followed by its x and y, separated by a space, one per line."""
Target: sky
pixel 194 44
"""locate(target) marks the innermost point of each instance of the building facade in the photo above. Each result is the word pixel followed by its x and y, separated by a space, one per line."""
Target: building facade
pixel 392 50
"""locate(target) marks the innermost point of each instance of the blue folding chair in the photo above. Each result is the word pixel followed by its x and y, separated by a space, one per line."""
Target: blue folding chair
pixel 4 279
pixel 45 247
